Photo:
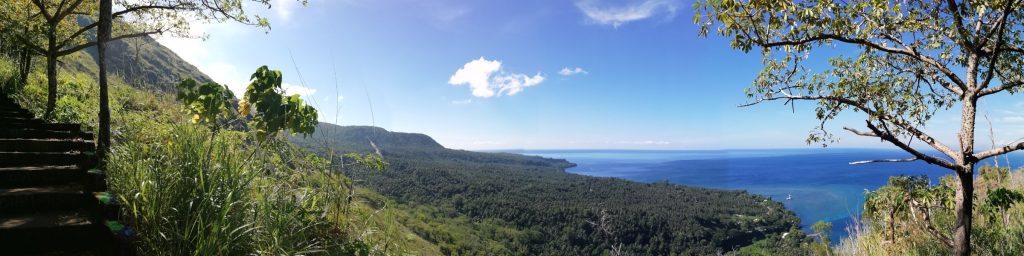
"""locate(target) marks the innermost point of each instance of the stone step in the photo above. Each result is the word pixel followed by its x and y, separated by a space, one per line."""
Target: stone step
pixel 20 133
pixel 49 204
pixel 54 233
pixel 11 118
pixel 45 199
pixel 20 159
pixel 28 176
pixel 45 145
pixel 42 126
pixel 16 113
pixel 11 107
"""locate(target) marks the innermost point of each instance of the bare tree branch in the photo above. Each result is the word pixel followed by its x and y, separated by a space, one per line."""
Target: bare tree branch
pixel 958 24
pixel 994 59
pixel 921 135
pixel 928 224
pixel 865 134
pixel 78 33
pixel 147 7
pixel 93 43
pixel 1002 87
pixel 895 141
pixel 62 13
pixel 999 151
pixel 42 9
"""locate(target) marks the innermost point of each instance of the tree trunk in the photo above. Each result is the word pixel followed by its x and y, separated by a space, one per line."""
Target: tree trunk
pixel 51 83
pixel 51 70
pixel 103 140
pixel 24 65
pixel 965 193
pixel 964 210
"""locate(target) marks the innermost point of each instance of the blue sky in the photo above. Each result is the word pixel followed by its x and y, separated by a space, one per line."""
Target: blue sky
pixel 526 74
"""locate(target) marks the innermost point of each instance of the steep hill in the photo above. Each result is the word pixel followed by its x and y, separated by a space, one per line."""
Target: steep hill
pixel 146 63
pixel 529 205
pixel 141 62
pixel 400 145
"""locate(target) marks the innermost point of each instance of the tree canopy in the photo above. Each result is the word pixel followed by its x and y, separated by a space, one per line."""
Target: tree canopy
pixel 911 59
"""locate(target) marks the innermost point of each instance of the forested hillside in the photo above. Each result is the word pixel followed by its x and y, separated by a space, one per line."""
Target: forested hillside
pixel 537 208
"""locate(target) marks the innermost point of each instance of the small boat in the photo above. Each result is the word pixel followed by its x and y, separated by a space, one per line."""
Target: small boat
pixel 789 197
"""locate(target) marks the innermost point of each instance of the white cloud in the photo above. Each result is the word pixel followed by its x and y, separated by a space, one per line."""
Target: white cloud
pixel 341 96
pixel 302 91
pixel 485 79
pixel 645 142
pixel 568 72
pixel 477 74
pixel 226 74
pixel 605 14
pixel 284 8
pixel 462 102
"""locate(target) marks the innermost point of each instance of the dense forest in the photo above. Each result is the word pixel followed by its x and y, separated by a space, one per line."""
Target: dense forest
pixel 545 210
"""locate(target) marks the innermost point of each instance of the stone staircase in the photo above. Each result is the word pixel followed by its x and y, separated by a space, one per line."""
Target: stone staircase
pixel 51 200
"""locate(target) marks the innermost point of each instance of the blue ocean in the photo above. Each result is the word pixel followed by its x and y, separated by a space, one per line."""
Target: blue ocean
pixel 817 184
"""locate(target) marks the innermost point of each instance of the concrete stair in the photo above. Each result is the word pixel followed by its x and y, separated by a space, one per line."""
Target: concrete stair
pixel 48 195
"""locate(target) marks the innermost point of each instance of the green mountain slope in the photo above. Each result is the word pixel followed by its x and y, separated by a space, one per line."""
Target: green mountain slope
pixel 533 207
pixel 146 63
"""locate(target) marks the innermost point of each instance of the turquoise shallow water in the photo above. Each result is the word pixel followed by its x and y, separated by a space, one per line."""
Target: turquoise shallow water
pixel 821 182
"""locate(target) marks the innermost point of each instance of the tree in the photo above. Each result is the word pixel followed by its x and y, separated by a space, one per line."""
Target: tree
pixel 17 14
pixel 913 58
pixel 155 17
pixel 822 229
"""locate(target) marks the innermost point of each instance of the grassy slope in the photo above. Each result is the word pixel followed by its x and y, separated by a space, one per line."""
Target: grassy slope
pixel 142 105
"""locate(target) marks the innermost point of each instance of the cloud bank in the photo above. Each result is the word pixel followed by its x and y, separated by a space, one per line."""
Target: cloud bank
pixel 568 72
pixel 486 79
pixel 302 91
pixel 600 12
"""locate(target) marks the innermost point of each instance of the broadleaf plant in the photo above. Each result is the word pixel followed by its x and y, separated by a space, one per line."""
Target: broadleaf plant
pixel 205 102
pixel 274 111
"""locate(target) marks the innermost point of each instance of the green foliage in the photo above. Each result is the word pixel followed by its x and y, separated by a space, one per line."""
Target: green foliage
pixel 794 242
pixel 889 38
pixel 1003 198
pixel 822 230
pixel 997 226
pixel 894 203
pixel 69 109
pixel 205 102
pixel 275 112
pixel 371 161
pixel 998 202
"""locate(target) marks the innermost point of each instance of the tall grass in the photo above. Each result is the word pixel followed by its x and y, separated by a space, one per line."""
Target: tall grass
pixel 188 194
